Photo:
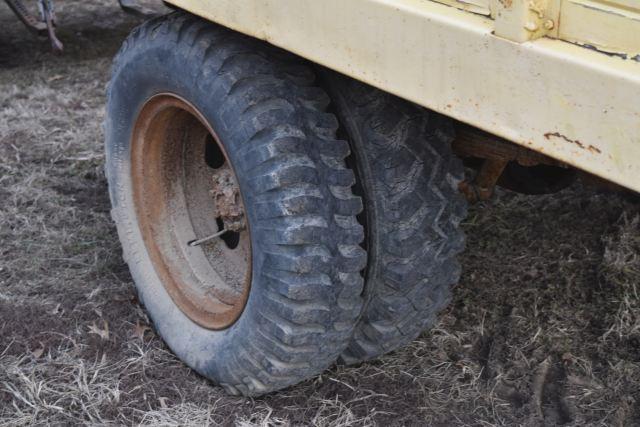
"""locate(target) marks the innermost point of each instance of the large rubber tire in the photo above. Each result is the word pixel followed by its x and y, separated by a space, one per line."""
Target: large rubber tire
pixel 409 177
pixel 306 286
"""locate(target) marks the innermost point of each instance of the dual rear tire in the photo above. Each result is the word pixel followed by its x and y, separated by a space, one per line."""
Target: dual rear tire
pixel 237 214
pixel 409 178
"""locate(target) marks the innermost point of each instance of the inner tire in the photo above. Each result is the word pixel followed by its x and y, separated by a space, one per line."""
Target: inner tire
pixel 297 312
pixel 409 178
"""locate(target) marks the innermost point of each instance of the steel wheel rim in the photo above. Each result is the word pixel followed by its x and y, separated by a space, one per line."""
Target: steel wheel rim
pixel 184 189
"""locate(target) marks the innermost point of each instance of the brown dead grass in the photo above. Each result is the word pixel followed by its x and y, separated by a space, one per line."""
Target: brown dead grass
pixel 544 328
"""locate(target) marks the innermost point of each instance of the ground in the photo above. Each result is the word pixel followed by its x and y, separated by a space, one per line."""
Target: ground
pixel 544 328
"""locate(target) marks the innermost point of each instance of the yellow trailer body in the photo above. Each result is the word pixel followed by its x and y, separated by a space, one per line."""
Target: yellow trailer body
pixel 561 77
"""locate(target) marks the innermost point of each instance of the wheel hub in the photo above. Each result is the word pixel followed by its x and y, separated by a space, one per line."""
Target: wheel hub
pixel 226 194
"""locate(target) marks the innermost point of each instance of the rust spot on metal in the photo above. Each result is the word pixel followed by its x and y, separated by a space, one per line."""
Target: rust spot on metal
pixel 577 142
pixel 594 149
pixel 548 136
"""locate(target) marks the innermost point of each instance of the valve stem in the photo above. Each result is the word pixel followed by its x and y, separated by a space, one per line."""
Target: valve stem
pixel 198 242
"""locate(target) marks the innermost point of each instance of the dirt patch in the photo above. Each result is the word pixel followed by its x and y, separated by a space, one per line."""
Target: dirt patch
pixel 544 328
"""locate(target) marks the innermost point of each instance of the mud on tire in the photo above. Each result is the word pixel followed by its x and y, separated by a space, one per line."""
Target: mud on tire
pixel 264 105
pixel 409 178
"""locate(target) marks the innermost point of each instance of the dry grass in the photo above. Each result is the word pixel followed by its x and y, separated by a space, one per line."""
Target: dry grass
pixel 544 328
pixel 621 269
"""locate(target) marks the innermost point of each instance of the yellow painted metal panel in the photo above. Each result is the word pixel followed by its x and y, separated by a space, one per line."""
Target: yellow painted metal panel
pixel 577 105
pixel 483 7
pixel 625 4
pixel 608 25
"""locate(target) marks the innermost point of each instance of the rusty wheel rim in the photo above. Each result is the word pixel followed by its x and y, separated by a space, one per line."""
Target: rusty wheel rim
pixel 184 189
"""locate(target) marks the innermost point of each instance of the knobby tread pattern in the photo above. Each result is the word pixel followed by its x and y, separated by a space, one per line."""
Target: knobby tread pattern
pixel 305 206
pixel 409 177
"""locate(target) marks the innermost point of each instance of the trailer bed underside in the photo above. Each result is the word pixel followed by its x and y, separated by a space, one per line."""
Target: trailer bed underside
pixel 575 104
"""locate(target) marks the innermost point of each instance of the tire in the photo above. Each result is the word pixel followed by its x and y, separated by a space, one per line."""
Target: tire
pixel 305 291
pixel 409 178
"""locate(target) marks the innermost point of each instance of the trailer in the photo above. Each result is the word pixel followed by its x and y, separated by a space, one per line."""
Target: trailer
pixel 288 176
